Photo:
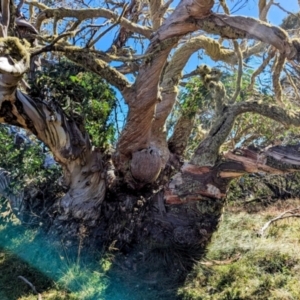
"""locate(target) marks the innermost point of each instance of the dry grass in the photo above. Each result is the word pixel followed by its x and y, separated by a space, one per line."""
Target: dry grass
pixel 268 267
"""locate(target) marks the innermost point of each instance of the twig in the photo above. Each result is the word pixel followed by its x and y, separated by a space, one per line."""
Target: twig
pixel 261 68
pixel 20 6
pixel 91 44
pixel 32 286
pixel 221 262
pixel 283 9
pixel 292 83
pixel 282 216
pixel 49 46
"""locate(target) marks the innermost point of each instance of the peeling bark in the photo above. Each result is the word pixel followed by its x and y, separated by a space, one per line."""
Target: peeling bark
pixel 82 165
pixel 235 27
pixel 137 133
pixel 182 131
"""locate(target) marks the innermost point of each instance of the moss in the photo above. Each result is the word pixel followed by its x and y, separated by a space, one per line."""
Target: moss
pixel 12 46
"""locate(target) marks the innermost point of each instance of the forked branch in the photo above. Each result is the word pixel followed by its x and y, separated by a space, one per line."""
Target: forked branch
pixel 291 213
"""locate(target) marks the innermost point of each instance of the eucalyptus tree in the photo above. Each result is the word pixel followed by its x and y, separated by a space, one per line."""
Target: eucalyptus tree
pixel 141 196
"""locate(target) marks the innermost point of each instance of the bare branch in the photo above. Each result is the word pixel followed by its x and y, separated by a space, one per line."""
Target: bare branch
pixel 5 18
pixel 29 283
pixel 93 61
pixel 208 150
pixel 274 112
pixel 19 7
pixel 234 27
pixel 264 9
pixel 254 50
pixel 89 61
pixel 155 11
pixel 172 73
pixel 296 90
pixel 291 213
pixel 265 62
pixel 279 64
pixel 50 46
pixel 239 56
pixel 136 134
pixel 92 43
pixel 84 14
pixel 225 7
pixel 37 4
pixel 283 9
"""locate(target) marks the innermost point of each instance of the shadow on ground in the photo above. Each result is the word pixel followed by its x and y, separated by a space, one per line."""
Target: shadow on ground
pixel 60 271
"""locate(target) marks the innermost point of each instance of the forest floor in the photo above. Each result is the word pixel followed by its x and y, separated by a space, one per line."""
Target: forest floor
pixel 240 264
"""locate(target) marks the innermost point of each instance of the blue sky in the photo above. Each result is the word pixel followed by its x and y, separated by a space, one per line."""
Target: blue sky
pixel 275 17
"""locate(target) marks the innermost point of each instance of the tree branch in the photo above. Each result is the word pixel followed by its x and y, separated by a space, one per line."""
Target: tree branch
pixel 37 4
pixel 291 213
pixel 194 183
pixel 5 18
pixel 84 14
pixel 155 12
pixel 274 112
pixel 240 71
pixel 92 43
pixel 258 71
pixel 90 61
pixel 264 9
pixel 137 132
pixel 172 74
pixel 279 64
pixel 207 152
pixel 234 27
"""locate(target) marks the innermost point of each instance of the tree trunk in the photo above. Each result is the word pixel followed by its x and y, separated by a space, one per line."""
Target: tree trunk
pixel 159 231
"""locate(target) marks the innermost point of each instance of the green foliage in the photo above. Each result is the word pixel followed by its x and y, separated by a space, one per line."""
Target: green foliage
pixel 60 271
pixel 195 101
pixel 24 161
pixel 84 97
pixel 49 265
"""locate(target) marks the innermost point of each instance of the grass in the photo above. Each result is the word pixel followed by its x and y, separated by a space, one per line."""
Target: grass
pixel 57 273
pixel 48 266
pixel 268 267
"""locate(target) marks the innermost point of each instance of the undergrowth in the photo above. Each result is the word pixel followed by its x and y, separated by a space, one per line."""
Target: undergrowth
pixel 267 268
pixel 60 271
pixel 50 266
pixel 239 264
